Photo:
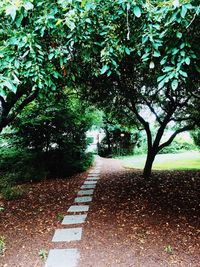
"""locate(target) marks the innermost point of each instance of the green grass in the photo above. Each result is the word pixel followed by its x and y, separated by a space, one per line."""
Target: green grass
pixel 180 161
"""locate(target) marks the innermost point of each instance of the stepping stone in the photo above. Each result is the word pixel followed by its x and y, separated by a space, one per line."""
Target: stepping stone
pixel 74 219
pixel 85 192
pixel 83 199
pixel 94 172
pixel 93 175
pixel 92 178
pixel 88 186
pixel 67 235
pixel 79 208
pixel 90 182
pixel 63 258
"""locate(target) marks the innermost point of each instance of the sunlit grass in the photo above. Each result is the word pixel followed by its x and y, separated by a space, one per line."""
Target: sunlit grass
pixel 181 161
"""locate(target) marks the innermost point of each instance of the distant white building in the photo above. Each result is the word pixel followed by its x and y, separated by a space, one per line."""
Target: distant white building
pixel 97 136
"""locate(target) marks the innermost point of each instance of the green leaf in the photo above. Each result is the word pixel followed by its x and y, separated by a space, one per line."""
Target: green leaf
pixel 88 21
pixel 156 54
pixel 137 11
pixel 11 10
pixel 28 64
pixel 183 11
pixel 19 20
pixel 104 69
pixel 28 6
pixel 183 53
pixel 145 56
pixel 16 63
pixel 50 56
pixel 179 35
pixel 127 51
pixel 161 84
pixel 183 73
pixel 145 39
pixel 167 69
pixel 187 60
pixel 160 78
pixel 175 51
pixel 10 86
pixel 163 61
pixel 174 84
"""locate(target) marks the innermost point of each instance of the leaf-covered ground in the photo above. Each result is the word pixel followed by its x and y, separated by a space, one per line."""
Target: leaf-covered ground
pixel 130 223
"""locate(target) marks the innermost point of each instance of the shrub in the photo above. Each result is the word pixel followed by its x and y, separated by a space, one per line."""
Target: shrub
pixel 178 146
pixel 60 217
pixel 11 193
pixel 43 254
pixel 2 245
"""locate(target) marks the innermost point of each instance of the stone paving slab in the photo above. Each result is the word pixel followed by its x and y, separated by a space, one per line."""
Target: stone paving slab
pixel 67 235
pixel 94 175
pixel 92 178
pixel 74 219
pixel 63 258
pixel 94 172
pixel 82 199
pixel 90 182
pixel 79 208
pixel 88 186
pixel 85 192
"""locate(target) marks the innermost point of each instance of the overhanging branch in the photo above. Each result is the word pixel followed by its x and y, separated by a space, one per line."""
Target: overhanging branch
pixel 24 103
pixel 169 141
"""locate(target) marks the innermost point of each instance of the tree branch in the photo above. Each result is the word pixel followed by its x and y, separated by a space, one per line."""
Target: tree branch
pixel 24 103
pixel 169 141
pixel 153 111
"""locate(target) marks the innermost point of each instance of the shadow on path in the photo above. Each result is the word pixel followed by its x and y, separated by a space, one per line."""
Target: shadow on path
pixel 133 221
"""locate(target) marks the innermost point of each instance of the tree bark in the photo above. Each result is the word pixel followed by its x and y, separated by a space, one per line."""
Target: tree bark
pixel 149 163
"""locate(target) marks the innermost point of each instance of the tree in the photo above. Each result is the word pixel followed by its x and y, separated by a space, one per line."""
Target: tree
pixel 139 55
pixel 31 53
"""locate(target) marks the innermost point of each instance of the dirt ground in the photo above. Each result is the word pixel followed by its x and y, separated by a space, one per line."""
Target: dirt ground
pixel 131 222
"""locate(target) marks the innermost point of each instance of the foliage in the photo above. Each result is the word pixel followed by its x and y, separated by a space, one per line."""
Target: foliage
pixel 118 140
pixel 2 208
pixel 196 137
pixel 169 250
pixel 48 139
pixel 27 39
pixel 129 54
pixel 43 254
pixel 2 245
pixel 11 193
pixel 19 165
pixel 60 217
pixel 177 146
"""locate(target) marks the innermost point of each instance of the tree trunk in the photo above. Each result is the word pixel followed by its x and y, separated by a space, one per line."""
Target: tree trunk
pixel 149 163
pixel 108 140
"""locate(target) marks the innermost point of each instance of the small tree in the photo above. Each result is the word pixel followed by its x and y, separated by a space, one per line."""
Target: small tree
pixel 54 132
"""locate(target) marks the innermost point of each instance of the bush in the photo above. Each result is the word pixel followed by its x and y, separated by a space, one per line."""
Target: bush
pixel 11 193
pixel 18 165
pixel 35 166
pixel 52 139
pixel 177 146
pixel 2 245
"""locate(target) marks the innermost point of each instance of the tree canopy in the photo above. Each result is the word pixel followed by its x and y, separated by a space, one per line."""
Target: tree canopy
pixel 142 55
pixel 135 55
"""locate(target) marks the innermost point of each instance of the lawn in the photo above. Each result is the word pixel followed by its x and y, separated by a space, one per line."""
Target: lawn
pixel 180 161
